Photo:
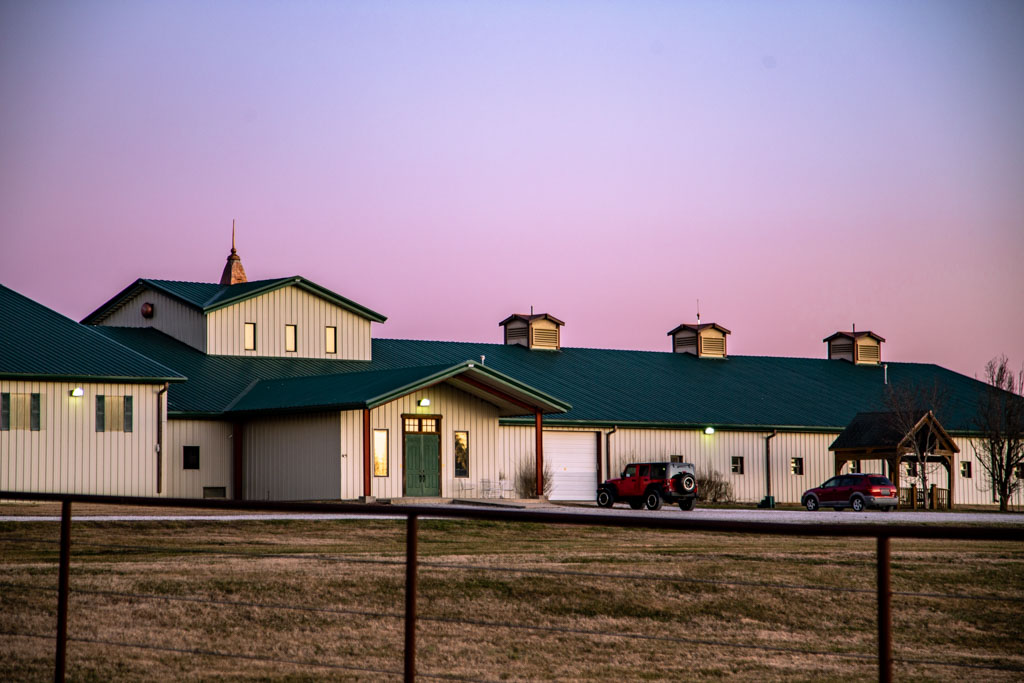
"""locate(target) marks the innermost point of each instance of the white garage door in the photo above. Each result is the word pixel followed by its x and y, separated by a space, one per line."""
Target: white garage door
pixel 573 460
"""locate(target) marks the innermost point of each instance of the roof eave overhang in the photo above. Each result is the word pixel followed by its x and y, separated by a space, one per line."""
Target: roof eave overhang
pixel 102 313
pixel 107 379
pixel 502 384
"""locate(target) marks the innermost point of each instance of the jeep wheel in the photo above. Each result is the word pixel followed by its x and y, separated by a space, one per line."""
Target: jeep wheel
pixel 811 503
pixel 685 482
pixel 687 504
pixel 636 503
pixel 857 503
pixel 605 498
pixel 652 500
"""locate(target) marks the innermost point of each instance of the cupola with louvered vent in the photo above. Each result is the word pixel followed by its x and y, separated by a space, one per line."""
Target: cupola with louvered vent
pixel 540 331
pixel 704 340
pixel 860 348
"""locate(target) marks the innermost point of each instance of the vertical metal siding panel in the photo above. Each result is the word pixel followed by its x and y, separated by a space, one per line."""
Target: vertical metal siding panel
pixel 293 458
pixel 289 305
pixel 65 455
pixel 215 456
pixel 170 316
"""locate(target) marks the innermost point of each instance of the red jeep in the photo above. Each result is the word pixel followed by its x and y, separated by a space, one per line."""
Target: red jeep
pixel 647 484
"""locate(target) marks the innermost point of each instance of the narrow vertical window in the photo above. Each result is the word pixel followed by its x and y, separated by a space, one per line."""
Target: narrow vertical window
pixel 965 469
pixel 250 337
pixel 380 452
pixel 461 454
pixel 34 408
pixel 5 412
pixel 190 457
pixel 855 467
pixel 796 466
pixel 331 339
pixel 101 413
pixel 127 413
pixel 289 337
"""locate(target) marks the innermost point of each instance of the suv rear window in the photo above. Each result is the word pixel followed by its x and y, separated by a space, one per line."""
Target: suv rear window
pixel 658 471
pixel 880 481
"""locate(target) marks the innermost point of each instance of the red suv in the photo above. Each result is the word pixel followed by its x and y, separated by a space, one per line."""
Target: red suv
pixel 857 491
pixel 647 484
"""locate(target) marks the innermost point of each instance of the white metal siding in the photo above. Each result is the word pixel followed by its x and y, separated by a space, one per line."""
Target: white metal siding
pixel 572 457
pixel 184 323
pixel 292 457
pixel 288 306
pixel 68 455
pixel 215 451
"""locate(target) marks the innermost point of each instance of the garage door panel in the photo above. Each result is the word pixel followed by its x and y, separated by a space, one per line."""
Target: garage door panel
pixel 572 457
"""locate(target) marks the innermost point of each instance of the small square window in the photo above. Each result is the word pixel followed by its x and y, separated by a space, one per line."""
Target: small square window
pixel 855 467
pixel 796 466
pixel 250 337
pixel 331 339
pixel 412 424
pixel 737 464
pixel 290 337
pixel 215 492
pixel 911 469
pixel 965 469
pixel 191 457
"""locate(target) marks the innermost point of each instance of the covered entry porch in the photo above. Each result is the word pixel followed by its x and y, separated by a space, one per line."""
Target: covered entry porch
pixel 877 436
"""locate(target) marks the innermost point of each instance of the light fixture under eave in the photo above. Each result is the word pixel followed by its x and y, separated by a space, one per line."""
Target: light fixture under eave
pixel 76 392
pixel 709 430
pixel 424 402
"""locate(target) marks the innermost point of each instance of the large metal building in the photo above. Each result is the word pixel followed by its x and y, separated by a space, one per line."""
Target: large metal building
pixel 275 389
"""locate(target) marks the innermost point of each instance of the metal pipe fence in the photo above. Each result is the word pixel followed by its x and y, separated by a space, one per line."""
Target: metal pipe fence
pixel 883 533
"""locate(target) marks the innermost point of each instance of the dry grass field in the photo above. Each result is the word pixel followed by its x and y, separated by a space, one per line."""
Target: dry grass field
pixel 304 600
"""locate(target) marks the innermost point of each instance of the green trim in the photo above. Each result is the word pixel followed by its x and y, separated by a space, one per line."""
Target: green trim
pixel 305 285
pixel 95 379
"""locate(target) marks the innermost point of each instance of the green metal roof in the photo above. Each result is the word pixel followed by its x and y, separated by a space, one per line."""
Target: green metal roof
pixel 604 387
pixel 353 390
pixel 40 344
pixel 209 296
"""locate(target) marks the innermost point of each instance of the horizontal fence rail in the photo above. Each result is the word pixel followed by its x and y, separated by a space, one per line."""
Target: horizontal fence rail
pixel 883 533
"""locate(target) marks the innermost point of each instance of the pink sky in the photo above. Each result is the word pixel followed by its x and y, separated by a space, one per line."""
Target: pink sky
pixel 797 166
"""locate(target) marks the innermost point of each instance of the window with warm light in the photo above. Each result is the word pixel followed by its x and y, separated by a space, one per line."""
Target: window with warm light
pixel 290 337
pixel 965 469
pixel 380 452
pixel 796 466
pixel 331 339
pixel 249 341
pixel 461 454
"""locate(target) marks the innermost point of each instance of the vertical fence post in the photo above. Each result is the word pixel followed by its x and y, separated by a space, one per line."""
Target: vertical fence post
pixel 884 612
pixel 411 561
pixel 62 591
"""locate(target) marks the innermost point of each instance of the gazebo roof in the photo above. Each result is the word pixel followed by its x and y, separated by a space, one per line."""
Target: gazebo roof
pixel 878 433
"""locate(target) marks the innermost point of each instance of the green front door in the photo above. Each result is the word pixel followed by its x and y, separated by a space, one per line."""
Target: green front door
pixel 422 465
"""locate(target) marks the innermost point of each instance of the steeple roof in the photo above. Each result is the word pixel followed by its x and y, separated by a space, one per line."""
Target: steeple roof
pixel 233 273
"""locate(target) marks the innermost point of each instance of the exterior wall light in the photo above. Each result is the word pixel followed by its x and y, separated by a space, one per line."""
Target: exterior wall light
pixel 76 392
pixel 424 402
pixel 709 430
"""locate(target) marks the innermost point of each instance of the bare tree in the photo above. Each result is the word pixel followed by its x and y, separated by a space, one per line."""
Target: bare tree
pixel 907 404
pixel 1000 421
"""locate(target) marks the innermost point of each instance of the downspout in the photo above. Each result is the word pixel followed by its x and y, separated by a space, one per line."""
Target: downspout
pixel 769 499
pixel 608 451
pixel 160 438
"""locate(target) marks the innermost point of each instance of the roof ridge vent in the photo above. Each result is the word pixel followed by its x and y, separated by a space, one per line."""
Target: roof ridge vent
pixel 536 331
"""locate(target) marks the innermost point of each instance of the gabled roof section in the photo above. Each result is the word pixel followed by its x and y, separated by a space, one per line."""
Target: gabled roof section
pixel 879 432
pixel 530 318
pixel 211 296
pixel 698 328
pixel 39 343
pixel 854 335
pixel 356 390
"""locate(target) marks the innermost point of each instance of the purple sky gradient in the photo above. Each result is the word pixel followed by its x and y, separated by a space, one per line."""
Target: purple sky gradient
pixel 797 166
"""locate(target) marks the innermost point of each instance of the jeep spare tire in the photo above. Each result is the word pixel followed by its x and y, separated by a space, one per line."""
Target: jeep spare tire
pixel 686 482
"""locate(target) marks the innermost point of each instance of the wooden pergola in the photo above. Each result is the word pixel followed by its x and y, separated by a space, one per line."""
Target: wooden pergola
pixel 876 436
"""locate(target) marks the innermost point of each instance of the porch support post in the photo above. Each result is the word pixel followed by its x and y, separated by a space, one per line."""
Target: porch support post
pixel 366 452
pixel 949 478
pixel 237 476
pixel 539 430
